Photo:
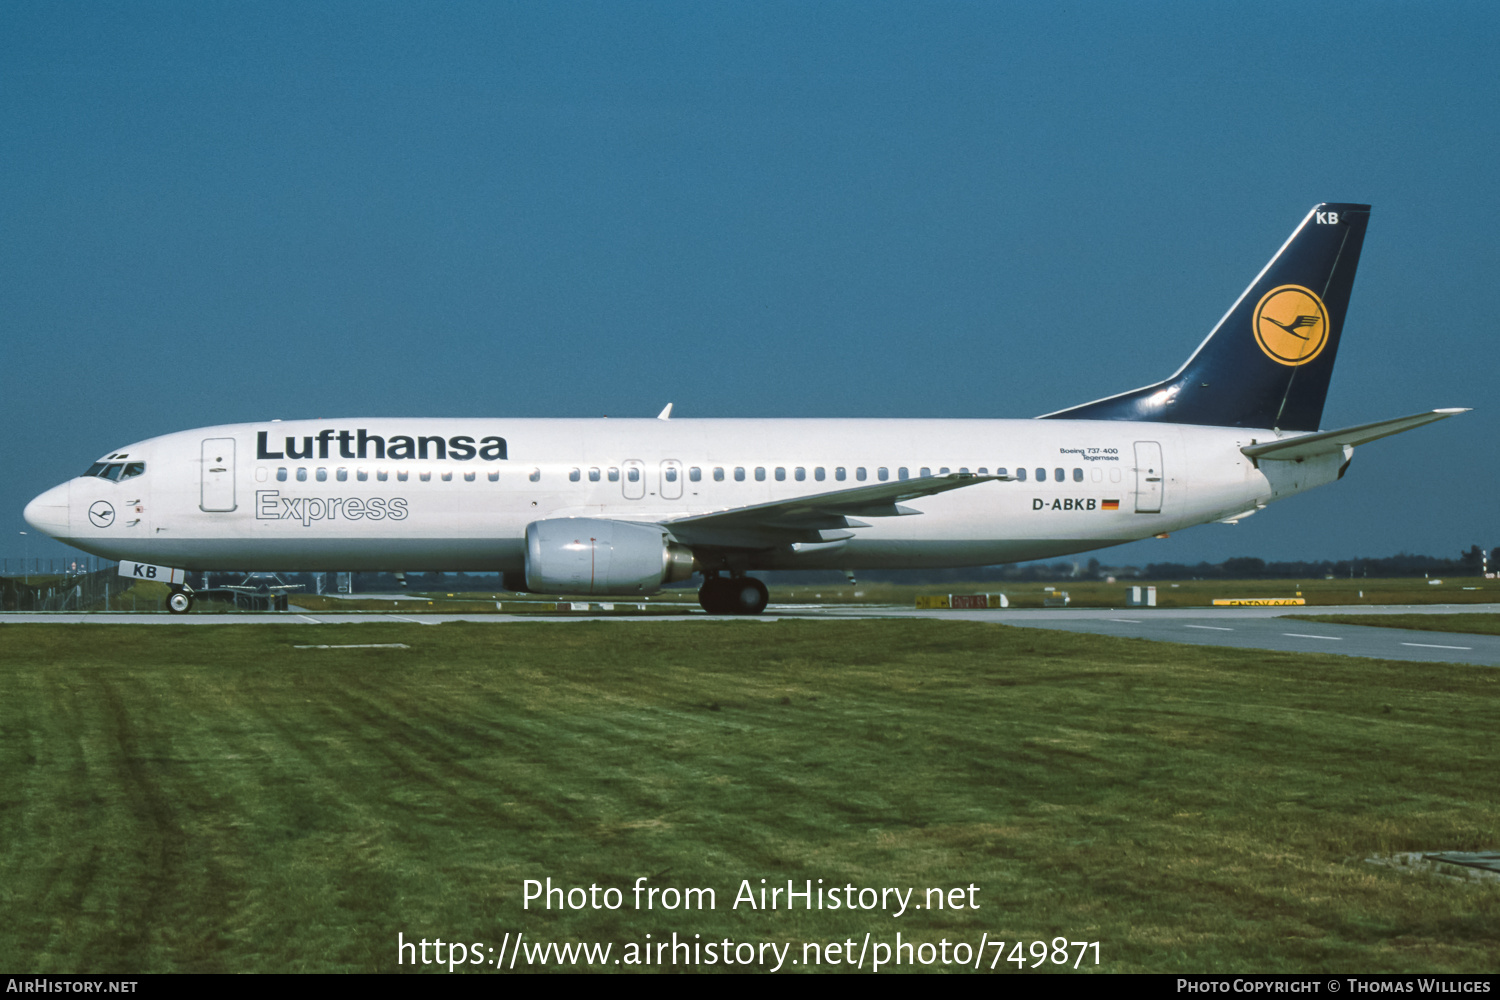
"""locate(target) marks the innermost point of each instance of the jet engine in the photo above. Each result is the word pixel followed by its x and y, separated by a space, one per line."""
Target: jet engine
pixel 585 555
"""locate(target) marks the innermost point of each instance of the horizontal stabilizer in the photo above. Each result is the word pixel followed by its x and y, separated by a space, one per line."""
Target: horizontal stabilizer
pixel 1323 442
pixel 813 518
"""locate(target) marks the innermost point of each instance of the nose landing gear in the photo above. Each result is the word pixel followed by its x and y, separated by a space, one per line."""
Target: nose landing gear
pixel 734 595
pixel 180 602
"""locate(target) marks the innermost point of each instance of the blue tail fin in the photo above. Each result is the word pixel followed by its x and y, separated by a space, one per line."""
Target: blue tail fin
pixel 1268 362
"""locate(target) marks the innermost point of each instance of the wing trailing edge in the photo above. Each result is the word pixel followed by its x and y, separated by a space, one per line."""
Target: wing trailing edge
pixel 819 518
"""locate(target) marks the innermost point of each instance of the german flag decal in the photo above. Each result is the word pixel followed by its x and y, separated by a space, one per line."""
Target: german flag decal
pixel 1110 504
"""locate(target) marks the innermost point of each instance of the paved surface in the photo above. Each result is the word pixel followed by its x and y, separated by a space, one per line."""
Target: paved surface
pixel 1245 628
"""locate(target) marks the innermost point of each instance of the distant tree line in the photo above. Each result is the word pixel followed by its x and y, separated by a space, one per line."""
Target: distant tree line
pixel 1470 563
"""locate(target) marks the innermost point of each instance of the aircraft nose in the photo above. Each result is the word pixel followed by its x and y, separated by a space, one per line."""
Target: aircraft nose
pixel 49 512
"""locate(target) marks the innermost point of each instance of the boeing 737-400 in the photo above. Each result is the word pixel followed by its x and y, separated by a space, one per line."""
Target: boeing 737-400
pixel 623 507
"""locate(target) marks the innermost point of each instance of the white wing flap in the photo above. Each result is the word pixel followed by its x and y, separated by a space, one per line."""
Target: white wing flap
pixel 813 518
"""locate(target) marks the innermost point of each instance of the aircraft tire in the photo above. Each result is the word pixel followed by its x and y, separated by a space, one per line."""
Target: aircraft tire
pixel 179 602
pixel 747 596
pixel 712 596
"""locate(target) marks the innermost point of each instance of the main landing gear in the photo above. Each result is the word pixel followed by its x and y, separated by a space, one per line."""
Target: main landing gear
pixel 180 602
pixel 733 595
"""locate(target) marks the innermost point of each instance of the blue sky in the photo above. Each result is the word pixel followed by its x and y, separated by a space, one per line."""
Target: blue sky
pixel 216 213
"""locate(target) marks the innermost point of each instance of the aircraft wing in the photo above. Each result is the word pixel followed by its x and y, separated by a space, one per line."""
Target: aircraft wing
pixel 1323 442
pixel 821 517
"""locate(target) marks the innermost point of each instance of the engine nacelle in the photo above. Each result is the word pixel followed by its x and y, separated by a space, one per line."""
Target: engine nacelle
pixel 587 555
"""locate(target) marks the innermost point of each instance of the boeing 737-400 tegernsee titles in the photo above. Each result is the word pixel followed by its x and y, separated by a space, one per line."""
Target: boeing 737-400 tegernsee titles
pixel 622 507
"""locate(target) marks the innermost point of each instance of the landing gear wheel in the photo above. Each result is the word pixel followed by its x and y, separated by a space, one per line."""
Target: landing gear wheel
pixel 713 596
pixel 180 602
pixel 746 595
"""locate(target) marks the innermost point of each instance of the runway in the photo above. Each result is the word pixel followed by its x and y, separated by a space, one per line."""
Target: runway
pixel 1243 628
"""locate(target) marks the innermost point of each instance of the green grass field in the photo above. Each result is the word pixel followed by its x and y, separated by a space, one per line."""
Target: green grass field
pixel 215 799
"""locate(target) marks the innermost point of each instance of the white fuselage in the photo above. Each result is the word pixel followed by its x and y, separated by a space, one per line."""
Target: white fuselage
pixel 442 494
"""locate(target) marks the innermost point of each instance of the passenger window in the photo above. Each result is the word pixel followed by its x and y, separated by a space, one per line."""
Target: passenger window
pixel 448 476
pixel 819 474
pixel 926 472
pixel 695 475
pixel 614 475
pixel 1059 475
pixel 760 473
pixel 575 476
pixel 799 474
pixel 1114 475
pixel 883 473
pixel 1020 475
pixel 401 475
pixel 859 473
pixel 301 475
pixel 780 474
pixel 839 473
pixel 903 474
pixel 1096 474
pixel 426 477
pixel 382 475
pixel 342 475
pixel 718 473
pixel 943 471
pixel 633 474
pixel 983 471
pixel 494 475
pixel 1041 475
pixel 739 473
pixel 468 477
pixel 281 475
pixel 536 476
pixel 361 475
pixel 593 475
pixel 1077 475
pixel 322 475
pixel 670 474
pixel 260 473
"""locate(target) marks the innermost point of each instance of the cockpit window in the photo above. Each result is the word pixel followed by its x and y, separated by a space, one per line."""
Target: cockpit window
pixel 116 471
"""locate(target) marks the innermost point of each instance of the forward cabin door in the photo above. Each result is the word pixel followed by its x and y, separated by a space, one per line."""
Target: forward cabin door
pixel 218 475
pixel 1148 477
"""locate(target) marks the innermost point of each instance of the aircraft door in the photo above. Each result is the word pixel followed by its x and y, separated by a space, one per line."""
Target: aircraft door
pixel 218 475
pixel 633 480
pixel 671 479
pixel 1148 477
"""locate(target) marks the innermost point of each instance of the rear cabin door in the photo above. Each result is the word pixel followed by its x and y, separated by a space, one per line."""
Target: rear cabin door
pixel 218 475
pixel 1148 477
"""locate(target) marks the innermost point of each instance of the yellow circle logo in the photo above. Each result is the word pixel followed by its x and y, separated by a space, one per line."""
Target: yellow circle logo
pixel 1291 325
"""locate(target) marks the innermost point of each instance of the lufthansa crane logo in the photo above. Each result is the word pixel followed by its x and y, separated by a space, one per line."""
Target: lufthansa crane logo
pixel 102 513
pixel 1291 325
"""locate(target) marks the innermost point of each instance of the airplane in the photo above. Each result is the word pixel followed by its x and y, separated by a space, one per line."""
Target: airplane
pixel 625 507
